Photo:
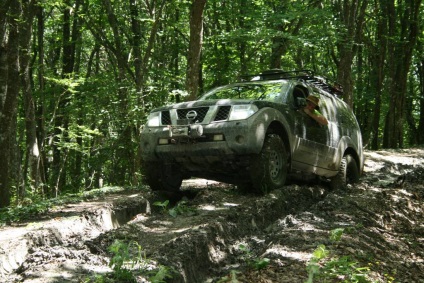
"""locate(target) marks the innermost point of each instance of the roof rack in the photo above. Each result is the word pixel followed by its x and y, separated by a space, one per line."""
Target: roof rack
pixel 307 76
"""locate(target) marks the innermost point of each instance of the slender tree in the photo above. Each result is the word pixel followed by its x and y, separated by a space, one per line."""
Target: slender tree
pixel 32 156
pixel 351 14
pixel 9 90
pixel 195 48
pixel 403 26
pixel 420 72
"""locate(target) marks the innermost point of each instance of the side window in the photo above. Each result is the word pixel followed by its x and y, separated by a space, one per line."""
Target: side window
pixel 299 95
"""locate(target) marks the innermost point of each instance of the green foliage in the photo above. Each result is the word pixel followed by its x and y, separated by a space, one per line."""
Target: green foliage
pixel 31 208
pixel 326 266
pixel 121 257
pixel 231 278
pixel 253 262
pixel 180 209
pixel 23 212
pixel 129 263
pixel 256 263
pixel 336 234
pixel 163 205
pixel 105 99
pixel 160 275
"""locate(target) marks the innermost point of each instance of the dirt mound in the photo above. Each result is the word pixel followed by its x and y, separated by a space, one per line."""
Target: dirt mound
pixel 217 234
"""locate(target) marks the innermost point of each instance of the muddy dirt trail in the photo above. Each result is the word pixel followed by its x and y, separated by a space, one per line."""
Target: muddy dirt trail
pixel 217 234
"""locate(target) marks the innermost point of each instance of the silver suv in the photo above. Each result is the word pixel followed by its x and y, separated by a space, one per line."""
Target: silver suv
pixel 253 134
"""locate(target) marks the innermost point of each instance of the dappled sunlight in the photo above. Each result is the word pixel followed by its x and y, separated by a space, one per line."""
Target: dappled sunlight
pixel 378 159
pixel 210 207
pixel 219 228
pixel 216 254
pixel 287 252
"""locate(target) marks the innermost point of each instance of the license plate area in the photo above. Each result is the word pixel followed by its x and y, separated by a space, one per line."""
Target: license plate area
pixel 179 131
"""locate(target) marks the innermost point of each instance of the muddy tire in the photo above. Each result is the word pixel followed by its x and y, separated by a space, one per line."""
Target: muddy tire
pixel 348 173
pixel 269 168
pixel 162 177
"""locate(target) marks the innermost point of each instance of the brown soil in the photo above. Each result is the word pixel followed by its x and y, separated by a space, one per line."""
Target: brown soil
pixel 222 235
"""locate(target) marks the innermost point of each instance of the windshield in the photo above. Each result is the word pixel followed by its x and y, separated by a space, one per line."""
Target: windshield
pixel 256 91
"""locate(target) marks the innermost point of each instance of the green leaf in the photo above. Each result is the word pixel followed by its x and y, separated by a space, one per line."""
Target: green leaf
pixel 320 252
pixel 336 234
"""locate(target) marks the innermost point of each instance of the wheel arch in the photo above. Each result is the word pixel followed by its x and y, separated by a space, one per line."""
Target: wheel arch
pixel 351 151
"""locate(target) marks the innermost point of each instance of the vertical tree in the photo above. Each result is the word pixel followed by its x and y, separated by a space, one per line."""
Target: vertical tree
pixel 351 14
pixel 10 13
pixel 376 46
pixel 61 122
pixel 403 26
pixel 195 48
pixel 420 71
pixel 32 153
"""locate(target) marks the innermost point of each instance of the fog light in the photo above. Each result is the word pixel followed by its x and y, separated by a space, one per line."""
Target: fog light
pixel 219 137
pixel 240 139
pixel 163 141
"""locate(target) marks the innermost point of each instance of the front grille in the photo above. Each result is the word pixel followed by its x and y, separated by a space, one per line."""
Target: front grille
pixel 223 112
pixel 166 118
pixel 201 113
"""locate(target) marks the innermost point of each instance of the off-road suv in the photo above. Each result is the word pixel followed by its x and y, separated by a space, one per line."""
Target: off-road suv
pixel 254 134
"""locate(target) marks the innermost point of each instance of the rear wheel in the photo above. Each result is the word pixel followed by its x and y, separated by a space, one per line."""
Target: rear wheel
pixel 348 173
pixel 269 168
pixel 162 177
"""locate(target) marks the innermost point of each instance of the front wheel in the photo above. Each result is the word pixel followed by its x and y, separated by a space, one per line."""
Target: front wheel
pixel 268 169
pixel 162 177
pixel 348 173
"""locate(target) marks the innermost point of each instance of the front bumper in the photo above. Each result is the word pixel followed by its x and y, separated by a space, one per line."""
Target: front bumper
pixel 221 140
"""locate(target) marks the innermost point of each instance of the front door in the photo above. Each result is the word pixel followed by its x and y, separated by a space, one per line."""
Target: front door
pixel 312 142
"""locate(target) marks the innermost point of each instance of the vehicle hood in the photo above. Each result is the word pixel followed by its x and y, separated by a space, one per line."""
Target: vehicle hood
pixel 202 103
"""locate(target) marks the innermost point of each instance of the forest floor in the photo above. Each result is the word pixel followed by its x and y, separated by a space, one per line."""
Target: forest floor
pixel 373 231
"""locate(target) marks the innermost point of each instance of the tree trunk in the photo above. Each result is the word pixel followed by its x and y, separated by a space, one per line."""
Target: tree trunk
pixel 420 134
pixel 136 39
pixel 9 90
pixel 32 149
pixel 378 58
pixel 352 15
pixel 41 87
pixel 61 123
pixel 242 45
pixel 401 45
pixel 124 152
pixel 194 49
pixel 409 111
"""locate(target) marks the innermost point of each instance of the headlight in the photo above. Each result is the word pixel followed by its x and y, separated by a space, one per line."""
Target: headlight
pixel 240 112
pixel 154 119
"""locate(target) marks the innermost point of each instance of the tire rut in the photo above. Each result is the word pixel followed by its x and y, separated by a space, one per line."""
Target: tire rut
pixel 200 247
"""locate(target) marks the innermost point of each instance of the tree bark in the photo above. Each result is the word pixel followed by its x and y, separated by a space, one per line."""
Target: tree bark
pixel 61 123
pixel 9 90
pixel 378 58
pixel 41 87
pixel 195 48
pixel 420 130
pixel 352 15
pixel 402 40
pixel 32 149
